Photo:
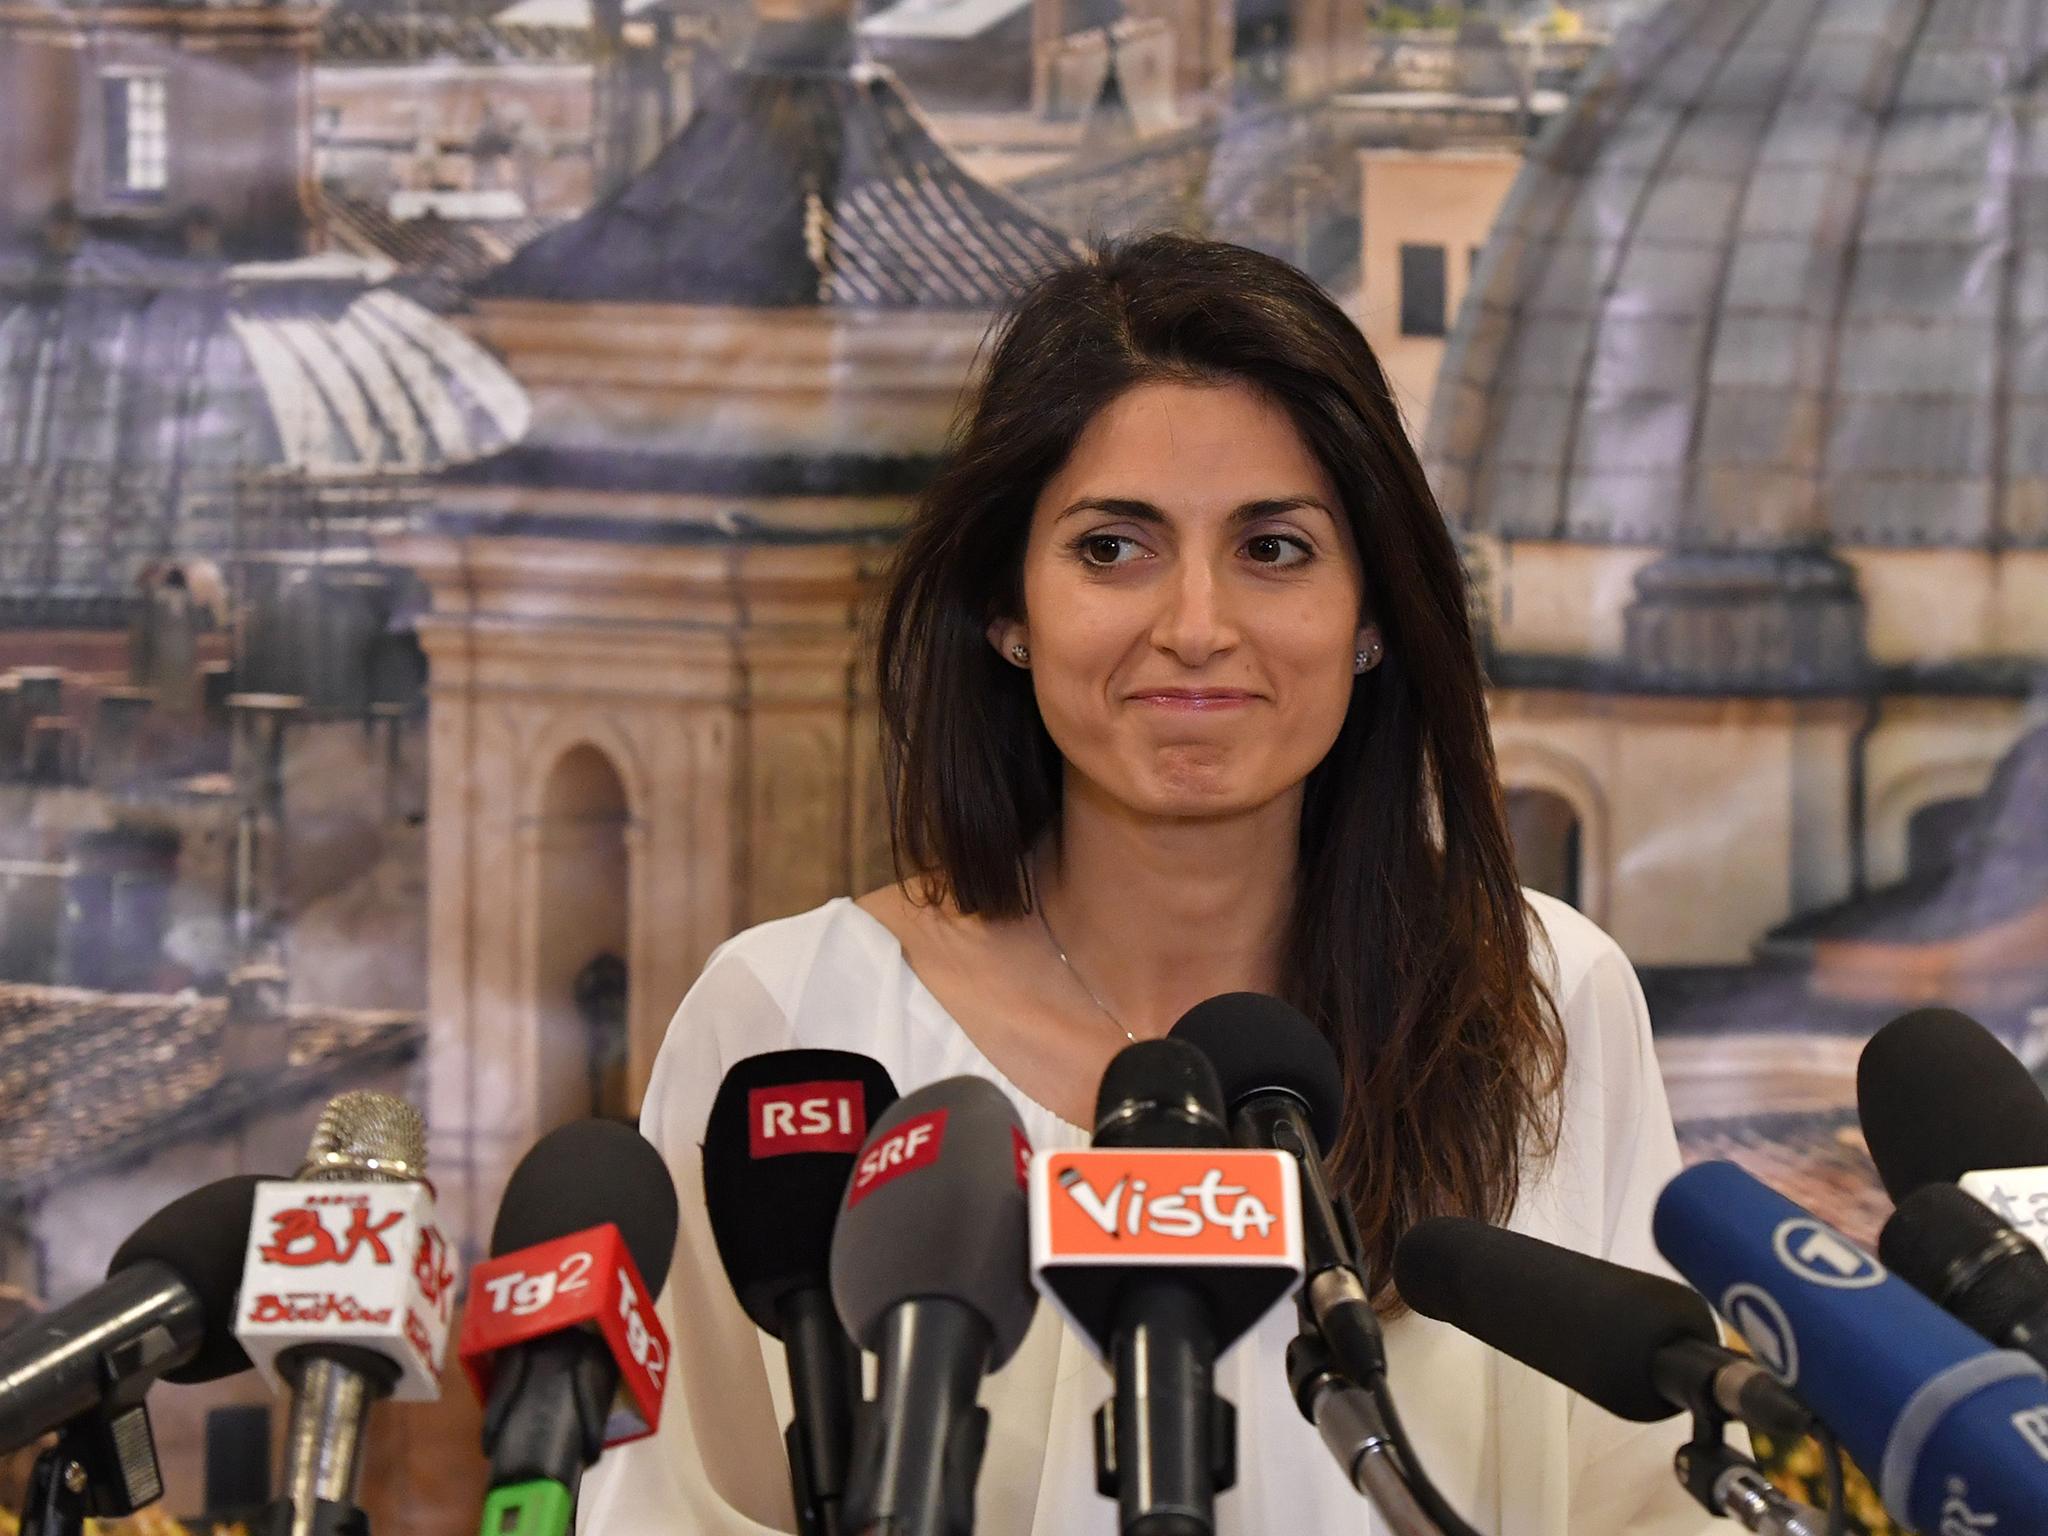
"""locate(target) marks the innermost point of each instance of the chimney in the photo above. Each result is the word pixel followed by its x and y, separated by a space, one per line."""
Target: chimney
pixel 256 1035
pixel 117 736
pixel 52 754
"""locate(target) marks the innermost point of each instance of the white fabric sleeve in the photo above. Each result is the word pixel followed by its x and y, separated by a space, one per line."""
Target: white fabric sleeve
pixel 1623 1150
pixel 716 1466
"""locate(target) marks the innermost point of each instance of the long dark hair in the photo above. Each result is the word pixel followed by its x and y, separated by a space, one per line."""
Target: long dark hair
pixel 1409 943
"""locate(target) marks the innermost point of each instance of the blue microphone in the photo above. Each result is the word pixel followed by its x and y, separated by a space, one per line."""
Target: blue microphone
pixel 1953 1431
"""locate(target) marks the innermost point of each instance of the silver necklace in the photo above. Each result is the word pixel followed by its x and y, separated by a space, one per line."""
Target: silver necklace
pixel 1046 923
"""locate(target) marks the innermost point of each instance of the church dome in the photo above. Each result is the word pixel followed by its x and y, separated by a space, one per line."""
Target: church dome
pixel 153 405
pixel 804 179
pixel 1777 280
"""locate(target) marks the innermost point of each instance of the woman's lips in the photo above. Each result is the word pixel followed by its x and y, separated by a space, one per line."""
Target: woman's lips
pixel 1196 699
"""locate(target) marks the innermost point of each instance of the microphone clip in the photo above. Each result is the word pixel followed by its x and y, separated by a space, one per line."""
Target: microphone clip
pixel 1725 1483
pixel 1222 1447
pixel 102 1465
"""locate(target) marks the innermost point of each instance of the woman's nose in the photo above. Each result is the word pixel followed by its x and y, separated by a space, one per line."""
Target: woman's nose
pixel 1194 622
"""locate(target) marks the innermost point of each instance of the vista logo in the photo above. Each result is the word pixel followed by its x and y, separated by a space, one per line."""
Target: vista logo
pixel 1129 1207
pixel 1165 1205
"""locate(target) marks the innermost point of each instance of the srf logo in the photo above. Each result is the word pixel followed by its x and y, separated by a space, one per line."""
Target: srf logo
pixel 300 1237
pixel 806 1117
pixel 913 1144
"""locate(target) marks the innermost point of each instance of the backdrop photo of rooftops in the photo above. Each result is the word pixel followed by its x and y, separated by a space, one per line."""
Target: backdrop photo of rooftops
pixel 445 448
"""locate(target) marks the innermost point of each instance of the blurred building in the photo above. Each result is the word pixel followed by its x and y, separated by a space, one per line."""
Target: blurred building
pixel 211 711
pixel 649 727
pixel 119 1103
pixel 1740 426
pixel 431 101
pixel 1430 147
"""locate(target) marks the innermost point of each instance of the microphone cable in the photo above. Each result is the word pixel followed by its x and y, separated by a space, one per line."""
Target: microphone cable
pixel 1831 1469
pixel 1433 1503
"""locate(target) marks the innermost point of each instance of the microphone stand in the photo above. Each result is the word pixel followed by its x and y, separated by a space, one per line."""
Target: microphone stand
pixel 1725 1482
pixel 1350 1420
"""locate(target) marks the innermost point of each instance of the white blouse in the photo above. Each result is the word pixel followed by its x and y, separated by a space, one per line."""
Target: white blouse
pixel 1517 1454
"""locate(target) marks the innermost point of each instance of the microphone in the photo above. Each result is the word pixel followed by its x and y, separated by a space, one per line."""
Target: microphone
pixel 1952 1248
pixel 1955 1433
pixel 1940 1099
pixel 1284 1089
pixel 347 1294
pixel 164 1313
pixel 1641 1346
pixel 1162 1247
pixel 1944 1103
pixel 779 1148
pixel 559 1337
pixel 928 1272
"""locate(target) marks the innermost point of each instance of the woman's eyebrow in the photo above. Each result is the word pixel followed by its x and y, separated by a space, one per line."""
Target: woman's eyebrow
pixel 1146 512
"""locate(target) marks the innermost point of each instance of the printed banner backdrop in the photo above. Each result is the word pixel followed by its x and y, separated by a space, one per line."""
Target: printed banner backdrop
pixel 444 447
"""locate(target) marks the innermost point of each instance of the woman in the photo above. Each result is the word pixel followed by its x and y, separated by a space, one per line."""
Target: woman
pixel 1181 698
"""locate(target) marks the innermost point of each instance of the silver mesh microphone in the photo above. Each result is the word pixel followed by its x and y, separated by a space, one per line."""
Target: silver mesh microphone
pixel 365 1135
pixel 361 1136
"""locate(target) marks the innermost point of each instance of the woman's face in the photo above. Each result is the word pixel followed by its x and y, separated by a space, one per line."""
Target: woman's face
pixel 1192 603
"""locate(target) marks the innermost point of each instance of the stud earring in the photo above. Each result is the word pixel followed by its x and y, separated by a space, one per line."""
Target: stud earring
pixel 1368 658
pixel 1021 654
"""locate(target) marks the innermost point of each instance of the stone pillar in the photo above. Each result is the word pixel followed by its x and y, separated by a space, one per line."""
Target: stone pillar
pixel 256 1032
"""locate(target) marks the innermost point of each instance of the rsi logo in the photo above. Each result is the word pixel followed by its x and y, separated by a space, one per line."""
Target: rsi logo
pixel 1128 1207
pixel 316 1307
pixel 913 1144
pixel 645 1348
pixel 522 1294
pixel 806 1117
pixel 301 1238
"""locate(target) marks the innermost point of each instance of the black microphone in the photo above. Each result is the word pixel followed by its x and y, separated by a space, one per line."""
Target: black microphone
pixel 779 1148
pixel 549 1410
pixel 929 1272
pixel 1940 1097
pixel 1171 1441
pixel 1641 1346
pixel 166 1312
pixel 1956 1251
pixel 1284 1091
pixel 1941 1100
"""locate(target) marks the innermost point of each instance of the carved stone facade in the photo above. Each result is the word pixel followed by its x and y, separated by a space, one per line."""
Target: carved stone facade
pixel 649 727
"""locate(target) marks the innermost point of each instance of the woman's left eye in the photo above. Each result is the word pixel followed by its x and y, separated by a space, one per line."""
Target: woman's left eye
pixel 1275 549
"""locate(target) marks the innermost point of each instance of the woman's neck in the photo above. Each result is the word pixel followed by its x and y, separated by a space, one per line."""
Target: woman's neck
pixel 1157 914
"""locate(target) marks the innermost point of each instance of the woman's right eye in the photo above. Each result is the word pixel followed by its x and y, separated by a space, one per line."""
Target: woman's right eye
pixel 1104 549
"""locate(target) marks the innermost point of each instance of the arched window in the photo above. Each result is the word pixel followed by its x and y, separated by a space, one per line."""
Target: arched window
pixel 1547 839
pixel 582 984
pixel 1933 835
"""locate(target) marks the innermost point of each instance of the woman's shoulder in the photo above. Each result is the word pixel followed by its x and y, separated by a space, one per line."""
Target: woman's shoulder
pixel 1575 949
pixel 794 958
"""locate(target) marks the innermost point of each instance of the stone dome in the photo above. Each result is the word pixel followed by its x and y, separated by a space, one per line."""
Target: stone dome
pixel 154 405
pixel 1777 280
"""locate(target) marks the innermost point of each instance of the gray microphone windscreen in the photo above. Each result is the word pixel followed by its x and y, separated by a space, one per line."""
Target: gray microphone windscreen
pixel 366 1135
pixel 936 1208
